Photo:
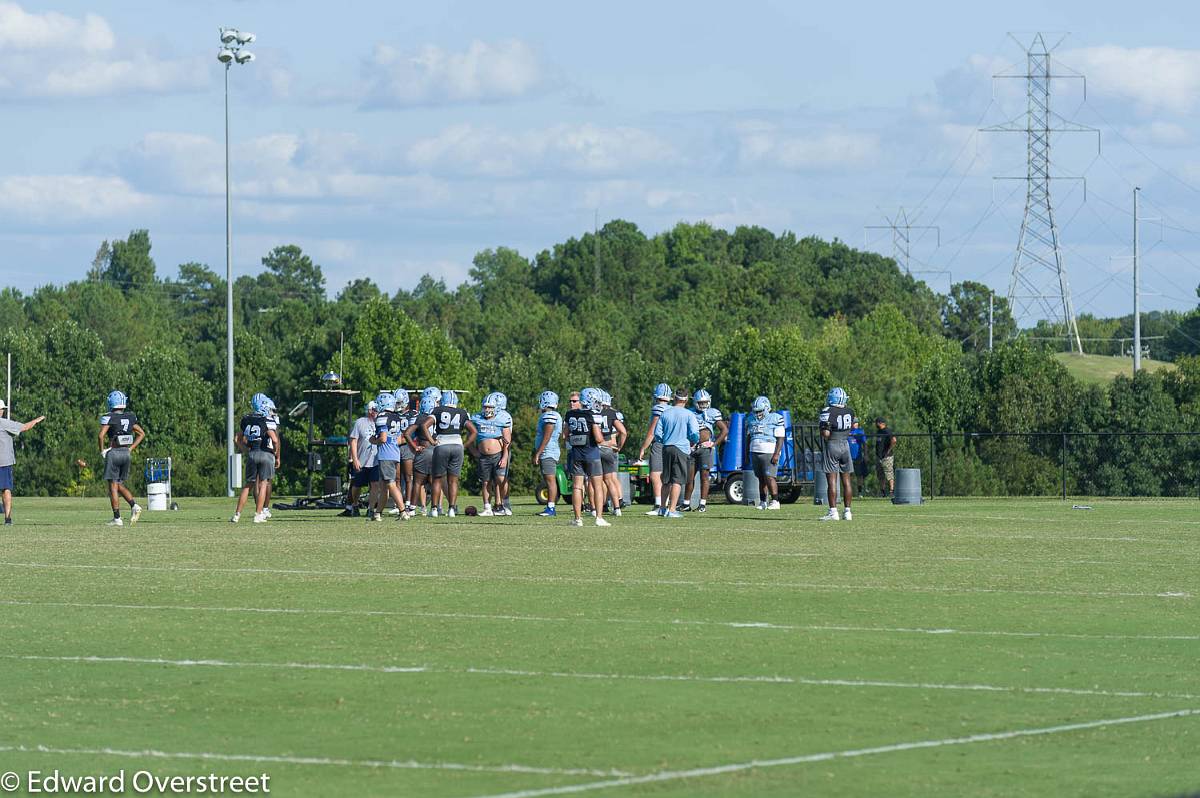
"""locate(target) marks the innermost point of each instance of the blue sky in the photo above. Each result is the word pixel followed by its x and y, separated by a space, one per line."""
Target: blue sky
pixel 394 139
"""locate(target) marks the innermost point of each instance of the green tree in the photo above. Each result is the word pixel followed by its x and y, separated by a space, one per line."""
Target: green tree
pixel 129 264
pixel 387 349
pixel 965 315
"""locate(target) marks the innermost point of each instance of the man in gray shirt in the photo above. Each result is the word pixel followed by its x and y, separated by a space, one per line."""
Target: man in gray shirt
pixel 364 468
pixel 10 429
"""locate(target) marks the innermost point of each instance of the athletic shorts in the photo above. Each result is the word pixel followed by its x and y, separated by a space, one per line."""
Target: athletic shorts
pixel 116 465
pixel 489 466
pixel 6 481
pixel 886 468
pixel 423 461
pixel 549 466
pixel 763 467
pixel 702 459
pixel 608 460
pixel 675 466
pixel 260 465
pixel 584 461
pixel 387 470
pixel 837 458
pixel 406 453
pixel 365 476
pixel 447 459
pixel 656 456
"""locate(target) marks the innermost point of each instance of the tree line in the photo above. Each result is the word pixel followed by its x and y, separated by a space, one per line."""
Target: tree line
pixel 740 313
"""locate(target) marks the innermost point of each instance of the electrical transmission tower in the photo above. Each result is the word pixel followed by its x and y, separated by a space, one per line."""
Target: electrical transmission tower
pixel 1038 287
pixel 902 236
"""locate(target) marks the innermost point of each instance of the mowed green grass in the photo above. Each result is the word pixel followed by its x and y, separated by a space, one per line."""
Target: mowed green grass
pixel 552 656
pixel 1102 369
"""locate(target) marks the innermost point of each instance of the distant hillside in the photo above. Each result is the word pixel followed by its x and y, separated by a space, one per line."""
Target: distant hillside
pixel 1102 368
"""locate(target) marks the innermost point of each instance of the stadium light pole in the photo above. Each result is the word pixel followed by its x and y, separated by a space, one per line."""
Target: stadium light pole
pixel 232 52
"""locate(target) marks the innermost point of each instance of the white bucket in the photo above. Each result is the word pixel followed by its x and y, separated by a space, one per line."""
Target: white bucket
pixel 156 495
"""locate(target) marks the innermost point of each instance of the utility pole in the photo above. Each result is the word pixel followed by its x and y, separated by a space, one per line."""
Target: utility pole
pixel 1038 287
pixel 902 236
pixel 991 322
pixel 1137 294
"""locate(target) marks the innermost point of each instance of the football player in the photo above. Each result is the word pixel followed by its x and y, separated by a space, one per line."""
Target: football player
pixel 680 432
pixel 258 439
pixel 613 426
pixel 766 432
pixel 837 422
pixel 420 438
pixel 408 416
pixel 388 437
pixel 711 424
pixel 653 442
pixel 120 434
pixel 446 425
pixel 506 424
pixel 547 452
pixel 584 435
pixel 488 451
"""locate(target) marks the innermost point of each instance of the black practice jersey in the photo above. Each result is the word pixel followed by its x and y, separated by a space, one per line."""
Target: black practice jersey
pixel 120 428
pixel 839 420
pixel 579 427
pixel 607 419
pixel 255 428
pixel 449 421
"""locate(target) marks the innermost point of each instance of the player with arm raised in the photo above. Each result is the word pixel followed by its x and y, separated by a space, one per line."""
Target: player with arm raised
pixel 120 434
pixel 837 422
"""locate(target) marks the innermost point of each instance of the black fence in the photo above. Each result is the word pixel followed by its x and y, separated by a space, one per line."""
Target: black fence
pixel 1062 464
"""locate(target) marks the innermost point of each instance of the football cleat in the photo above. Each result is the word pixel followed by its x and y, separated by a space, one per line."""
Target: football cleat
pixel 848 516
pixel 260 518
pixel 486 512
pixel 601 522
pixel 115 522
pixel 576 522
pixel 832 515
pixel 135 513
pixel 773 505
pixel 236 517
pixel 549 512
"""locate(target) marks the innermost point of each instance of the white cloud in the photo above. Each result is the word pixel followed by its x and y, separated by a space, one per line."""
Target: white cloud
pixel 276 167
pixel 52 55
pixel 1154 78
pixel 766 144
pixel 1160 134
pixel 573 149
pixel 484 73
pixel 69 197
pixel 20 30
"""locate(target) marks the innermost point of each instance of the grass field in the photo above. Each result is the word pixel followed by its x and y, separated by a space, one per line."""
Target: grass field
pixel 981 648
pixel 1102 369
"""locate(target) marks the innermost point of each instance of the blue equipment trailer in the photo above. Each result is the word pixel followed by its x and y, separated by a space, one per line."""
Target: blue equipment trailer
pixel 799 461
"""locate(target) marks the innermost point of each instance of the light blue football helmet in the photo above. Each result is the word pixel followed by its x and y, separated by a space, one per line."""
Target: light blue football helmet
pixel 547 400
pixel 427 405
pixel 449 399
pixel 837 397
pixel 662 392
pixel 501 401
pixel 432 392
pixel 605 398
pixel 260 403
pixel 385 401
pixel 117 400
pixel 488 406
pixel 761 406
pixel 702 398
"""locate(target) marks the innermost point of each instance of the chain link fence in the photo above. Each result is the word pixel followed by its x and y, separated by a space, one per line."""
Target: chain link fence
pixel 1063 464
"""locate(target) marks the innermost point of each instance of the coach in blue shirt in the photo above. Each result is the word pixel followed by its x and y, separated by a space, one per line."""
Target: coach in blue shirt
pixel 679 432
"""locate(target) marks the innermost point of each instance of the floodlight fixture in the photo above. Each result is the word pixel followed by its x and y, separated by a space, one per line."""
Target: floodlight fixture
pixel 244 38
pixel 225 55
pixel 229 35
pixel 244 57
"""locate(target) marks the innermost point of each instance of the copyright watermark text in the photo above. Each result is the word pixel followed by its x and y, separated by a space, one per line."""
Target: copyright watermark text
pixel 123 782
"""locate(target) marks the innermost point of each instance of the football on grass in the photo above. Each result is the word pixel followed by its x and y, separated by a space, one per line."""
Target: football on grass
pixel 471 510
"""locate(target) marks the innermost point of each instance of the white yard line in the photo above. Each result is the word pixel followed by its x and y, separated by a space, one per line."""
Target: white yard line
pixel 813 586
pixel 270 759
pixel 675 775
pixel 533 674
pixel 292 543
pixel 765 625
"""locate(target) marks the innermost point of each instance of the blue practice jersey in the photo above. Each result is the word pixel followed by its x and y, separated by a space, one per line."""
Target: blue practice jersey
pixel 551 419
pixel 764 431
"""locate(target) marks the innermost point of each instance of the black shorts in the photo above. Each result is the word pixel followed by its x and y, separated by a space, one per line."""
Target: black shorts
pixel 860 467
pixel 365 476
pixel 585 462
pixel 116 465
pixel 702 459
pixel 675 466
